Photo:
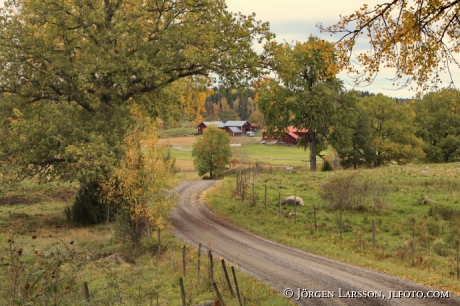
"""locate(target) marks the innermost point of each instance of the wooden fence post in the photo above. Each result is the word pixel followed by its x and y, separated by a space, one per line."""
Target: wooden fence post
pixel 226 277
pixel 86 291
pixel 182 291
pixel 184 259
pixel 219 296
pixel 198 272
pixel 211 268
pixel 236 286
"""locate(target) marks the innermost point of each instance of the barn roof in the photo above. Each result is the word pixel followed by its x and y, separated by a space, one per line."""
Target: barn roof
pixel 235 123
pixel 291 129
pixel 234 129
pixel 218 123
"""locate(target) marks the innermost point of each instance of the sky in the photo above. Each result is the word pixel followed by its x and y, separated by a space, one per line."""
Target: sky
pixel 296 20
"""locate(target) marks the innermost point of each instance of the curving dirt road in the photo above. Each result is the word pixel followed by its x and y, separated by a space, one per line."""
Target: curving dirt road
pixel 314 280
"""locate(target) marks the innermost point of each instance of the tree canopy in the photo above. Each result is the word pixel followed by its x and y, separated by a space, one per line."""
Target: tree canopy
pixel 211 153
pixel 70 71
pixel 306 91
pixel 384 132
pixel 438 124
pixel 419 39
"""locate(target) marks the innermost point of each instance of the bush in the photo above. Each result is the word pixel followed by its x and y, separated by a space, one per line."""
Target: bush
pixel 127 230
pixel 89 206
pixel 353 192
pixel 327 166
pixel 444 212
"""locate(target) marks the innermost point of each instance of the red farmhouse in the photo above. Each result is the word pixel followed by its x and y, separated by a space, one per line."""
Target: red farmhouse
pixel 291 135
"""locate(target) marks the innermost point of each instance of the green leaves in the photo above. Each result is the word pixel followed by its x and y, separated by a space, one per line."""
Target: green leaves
pixel 211 153
pixel 74 68
pixel 306 92
pixel 438 124
pixel 383 132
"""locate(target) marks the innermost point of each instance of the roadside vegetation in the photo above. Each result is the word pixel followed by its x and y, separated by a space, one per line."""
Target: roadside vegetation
pixel 45 259
pixel 414 208
pixel 93 183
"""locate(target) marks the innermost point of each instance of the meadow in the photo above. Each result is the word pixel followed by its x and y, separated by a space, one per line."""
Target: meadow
pixel 414 211
pixel 250 151
pixel 416 230
pixel 45 260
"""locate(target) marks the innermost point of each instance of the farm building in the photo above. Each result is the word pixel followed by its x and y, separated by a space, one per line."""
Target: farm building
pixel 291 135
pixel 233 131
pixel 255 127
pixel 237 127
pixel 233 128
pixel 203 125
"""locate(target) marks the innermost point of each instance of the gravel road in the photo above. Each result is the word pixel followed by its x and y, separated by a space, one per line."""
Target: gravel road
pixel 314 280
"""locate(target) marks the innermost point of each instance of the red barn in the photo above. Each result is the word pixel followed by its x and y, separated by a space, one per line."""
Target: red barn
pixel 233 128
pixel 291 135
pixel 236 128
pixel 202 126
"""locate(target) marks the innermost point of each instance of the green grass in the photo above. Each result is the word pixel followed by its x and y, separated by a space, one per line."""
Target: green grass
pixel 36 224
pixel 275 154
pixel 433 262
pixel 181 154
pixel 178 132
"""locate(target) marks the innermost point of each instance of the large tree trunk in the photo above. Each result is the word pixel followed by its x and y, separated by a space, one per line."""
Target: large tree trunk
pixel 312 150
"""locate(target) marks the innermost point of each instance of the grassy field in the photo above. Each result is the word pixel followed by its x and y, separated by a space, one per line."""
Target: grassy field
pixel 250 152
pixel 45 260
pixel 416 230
pixel 178 132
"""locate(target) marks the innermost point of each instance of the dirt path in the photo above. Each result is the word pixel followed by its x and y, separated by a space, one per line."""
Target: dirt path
pixel 327 282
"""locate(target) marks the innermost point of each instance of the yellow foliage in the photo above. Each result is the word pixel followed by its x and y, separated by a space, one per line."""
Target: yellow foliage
pixel 418 41
pixel 143 180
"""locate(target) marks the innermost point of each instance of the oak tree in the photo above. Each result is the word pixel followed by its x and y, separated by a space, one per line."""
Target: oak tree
pixel 305 93
pixel 418 39
pixel 71 69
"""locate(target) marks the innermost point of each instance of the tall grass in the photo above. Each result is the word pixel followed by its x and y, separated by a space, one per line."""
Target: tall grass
pixel 44 260
pixel 415 239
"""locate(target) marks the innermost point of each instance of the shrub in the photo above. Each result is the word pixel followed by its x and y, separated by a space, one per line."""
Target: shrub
pixel 127 230
pixel 327 166
pixel 89 206
pixel 443 212
pixel 353 192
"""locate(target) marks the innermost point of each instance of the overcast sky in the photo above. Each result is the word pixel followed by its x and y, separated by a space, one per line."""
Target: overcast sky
pixel 295 20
